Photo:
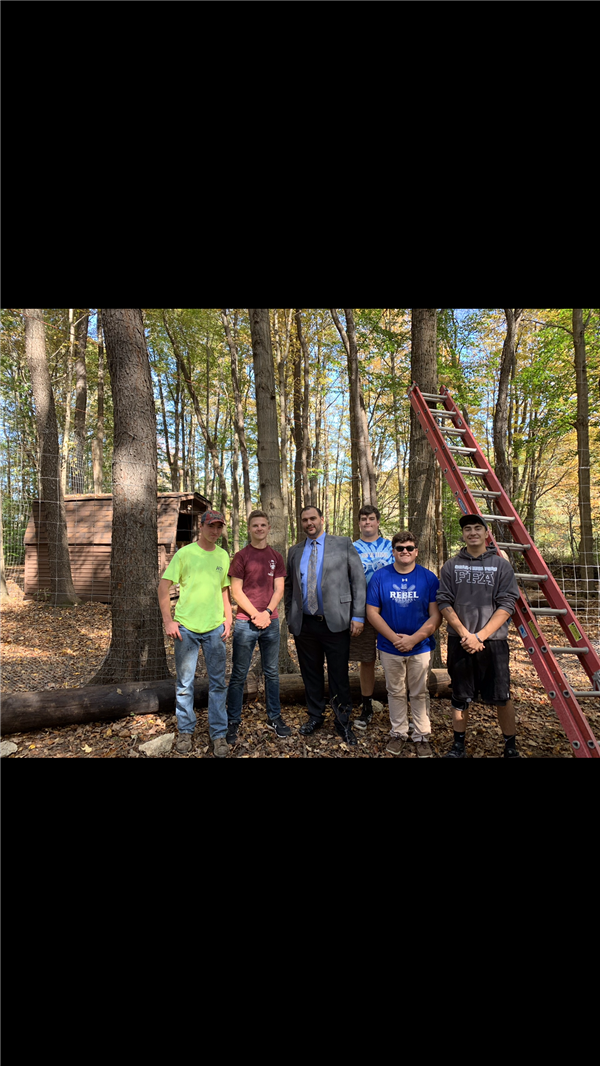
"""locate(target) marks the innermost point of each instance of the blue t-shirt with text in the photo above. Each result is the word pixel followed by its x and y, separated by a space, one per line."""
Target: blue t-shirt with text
pixel 403 600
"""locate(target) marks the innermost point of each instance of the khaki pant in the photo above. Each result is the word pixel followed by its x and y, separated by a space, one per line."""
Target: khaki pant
pixel 401 670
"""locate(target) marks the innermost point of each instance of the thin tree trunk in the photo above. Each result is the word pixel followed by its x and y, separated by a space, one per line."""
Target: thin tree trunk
pixel 421 479
pixel 303 429
pixel 65 463
pixel 98 441
pixel 268 450
pixel 3 585
pixel 208 440
pixel 78 475
pixel 502 463
pixel 239 411
pixel 61 581
pixel 137 647
pixel 587 570
pixel 282 357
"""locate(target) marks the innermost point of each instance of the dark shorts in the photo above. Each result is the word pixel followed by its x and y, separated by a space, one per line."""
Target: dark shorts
pixel 485 674
pixel 363 649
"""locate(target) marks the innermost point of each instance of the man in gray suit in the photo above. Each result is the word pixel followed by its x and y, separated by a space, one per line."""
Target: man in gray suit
pixel 324 598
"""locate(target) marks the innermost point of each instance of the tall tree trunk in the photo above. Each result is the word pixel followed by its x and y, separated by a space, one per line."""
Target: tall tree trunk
pixel 239 410
pixel 421 476
pixel 61 581
pixel 282 357
pixel 211 446
pixel 362 460
pixel 3 586
pixel 268 449
pixel 502 462
pixel 586 544
pixel 297 425
pixel 137 646
pixel 78 475
pixel 303 429
pixel 65 463
pixel 98 441
pixel 235 493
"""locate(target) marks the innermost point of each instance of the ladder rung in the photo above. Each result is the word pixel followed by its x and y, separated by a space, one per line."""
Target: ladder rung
pixel 509 547
pixel 431 396
pixel 452 429
pixel 497 518
pixel 531 577
pixel 593 692
pixel 477 471
pixel 461 451
pixel 445 414
pixel 569 651
pixel 548 610
pixel 484 492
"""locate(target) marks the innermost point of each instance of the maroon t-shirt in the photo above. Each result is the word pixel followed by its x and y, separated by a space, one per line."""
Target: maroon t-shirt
pixel 258 568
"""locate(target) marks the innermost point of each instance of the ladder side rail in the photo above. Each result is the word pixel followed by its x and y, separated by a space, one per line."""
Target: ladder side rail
pixel 570 624
pixel 558 689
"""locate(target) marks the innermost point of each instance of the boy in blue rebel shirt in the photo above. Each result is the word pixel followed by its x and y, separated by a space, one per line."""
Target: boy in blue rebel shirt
pixel 375 552
pixel 401 606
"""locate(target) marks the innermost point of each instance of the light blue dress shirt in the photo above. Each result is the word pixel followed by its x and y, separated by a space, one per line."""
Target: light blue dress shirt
pixel 320 542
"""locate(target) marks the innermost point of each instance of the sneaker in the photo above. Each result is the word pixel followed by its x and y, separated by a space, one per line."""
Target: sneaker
pixel 232 732
pixel 279 727
pixel 511 753
pixel 184 743
pixel 396 745
pixel 423 749
pixel 457 751
pixel 363 720
pixel 220 748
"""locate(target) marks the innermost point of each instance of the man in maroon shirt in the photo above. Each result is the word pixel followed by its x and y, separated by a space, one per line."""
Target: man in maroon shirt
pixel 257 576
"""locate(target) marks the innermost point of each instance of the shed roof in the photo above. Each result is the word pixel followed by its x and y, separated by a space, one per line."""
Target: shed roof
pixel 89 517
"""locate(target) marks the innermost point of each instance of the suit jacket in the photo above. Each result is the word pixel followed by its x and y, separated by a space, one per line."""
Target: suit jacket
pixel 343 585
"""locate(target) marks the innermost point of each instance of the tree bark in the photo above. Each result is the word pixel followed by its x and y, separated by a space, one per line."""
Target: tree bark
pixel 26 711
pixel 502 464
pixel 137 647
pixel 98 441
pixel 61 581
pixel 364 482
pixel 211 446
pixel 81 331
pixel 239 411
pixel 587 570
pixel 3 586
pixel 271 498
pixel 65 462
pixel 422 462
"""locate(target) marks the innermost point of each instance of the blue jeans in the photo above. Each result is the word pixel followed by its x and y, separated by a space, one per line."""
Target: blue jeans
pixel 186 657
pixel 245 636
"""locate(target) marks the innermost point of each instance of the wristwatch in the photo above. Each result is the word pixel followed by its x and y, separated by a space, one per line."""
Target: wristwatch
pixel 269 610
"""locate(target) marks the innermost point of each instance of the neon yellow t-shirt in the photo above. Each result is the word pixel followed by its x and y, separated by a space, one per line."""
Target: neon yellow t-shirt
pixel 201 577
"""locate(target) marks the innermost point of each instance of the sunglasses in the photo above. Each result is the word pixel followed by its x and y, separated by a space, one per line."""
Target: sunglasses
pixel 405 548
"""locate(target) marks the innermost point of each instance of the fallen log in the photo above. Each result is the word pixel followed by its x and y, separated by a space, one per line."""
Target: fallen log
pixel 291 688
pixel 438 684
pixel 25 711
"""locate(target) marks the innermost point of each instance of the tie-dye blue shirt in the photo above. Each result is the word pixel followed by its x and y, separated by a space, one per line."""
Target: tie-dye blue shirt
pixel 374 554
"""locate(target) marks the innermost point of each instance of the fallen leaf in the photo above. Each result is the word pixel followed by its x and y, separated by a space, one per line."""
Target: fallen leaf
pixel 86 748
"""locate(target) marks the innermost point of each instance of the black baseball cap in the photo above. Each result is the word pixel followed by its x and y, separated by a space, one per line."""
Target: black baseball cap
pixel 471 520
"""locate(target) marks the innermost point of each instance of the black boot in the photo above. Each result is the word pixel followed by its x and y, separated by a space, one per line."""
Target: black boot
pixel 342 721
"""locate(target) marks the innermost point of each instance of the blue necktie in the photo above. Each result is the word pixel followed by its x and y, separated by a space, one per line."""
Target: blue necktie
pixel 311 584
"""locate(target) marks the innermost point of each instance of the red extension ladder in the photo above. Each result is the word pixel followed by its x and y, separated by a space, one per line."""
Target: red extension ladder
pixel 451 439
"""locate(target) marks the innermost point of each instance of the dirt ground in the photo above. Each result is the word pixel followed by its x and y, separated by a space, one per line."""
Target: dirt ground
pixel 53 648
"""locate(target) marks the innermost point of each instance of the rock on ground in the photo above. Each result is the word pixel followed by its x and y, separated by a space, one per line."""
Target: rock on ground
pixel 158 746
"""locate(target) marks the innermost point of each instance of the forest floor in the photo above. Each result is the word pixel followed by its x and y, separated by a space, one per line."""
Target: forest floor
pixel 55 648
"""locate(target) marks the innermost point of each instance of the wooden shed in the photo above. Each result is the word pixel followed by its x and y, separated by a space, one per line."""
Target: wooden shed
pixel 89 531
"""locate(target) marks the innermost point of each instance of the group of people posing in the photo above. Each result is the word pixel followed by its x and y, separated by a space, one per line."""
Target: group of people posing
pixel 343 602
